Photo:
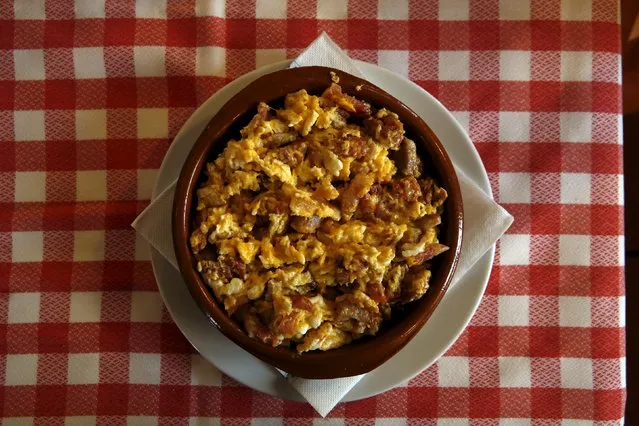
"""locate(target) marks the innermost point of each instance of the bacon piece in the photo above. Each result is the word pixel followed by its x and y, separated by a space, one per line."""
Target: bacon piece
pixel 301 302
pixel 375 290
pixel 306 225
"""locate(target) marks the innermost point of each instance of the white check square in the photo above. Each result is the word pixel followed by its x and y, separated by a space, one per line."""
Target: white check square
pixel 85 306
pixel 392 9
pixel 31 9
pixel 574 250
pixel 576 126
pixel 18 421
pixel 83 369
pixel 514 10
pixel 28 64
pixel 27 246
pixel 28 125
pixel 80 421
pixel 146 181
pixel 88 246
pixel 514 187
pixel 144 368
pixel 514 372
pixel 514 126
pixel 210 8
pixel 149 61
pixel 90 124
pixel 204 421
pixel 332 9
pixel 394 60
pixel 30 186
pixel 20 370
pixel 153 123
pixel 576 10
pixel 23 308
pixel 576 66
pixel 141 421
pixel 454 371
pixel 150 9
pixel 514 65
pixel 454 10
pixel 576 373
pixel 454 65
pixel 146 306
pixel 269 9
pixel 514 311
pixel 575 311
pixel 88 62
pixel 91 185
pixel 575 188
pixel 210 60
pixel 514 249
pixel 89 9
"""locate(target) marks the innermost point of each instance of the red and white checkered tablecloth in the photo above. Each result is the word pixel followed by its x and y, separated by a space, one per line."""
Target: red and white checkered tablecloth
pixel 91 94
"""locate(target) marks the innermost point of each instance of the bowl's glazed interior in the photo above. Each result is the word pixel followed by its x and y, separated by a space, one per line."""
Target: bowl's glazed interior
pixel 361 355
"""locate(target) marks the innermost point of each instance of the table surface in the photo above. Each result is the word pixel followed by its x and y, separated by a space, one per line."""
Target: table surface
pixel 91 95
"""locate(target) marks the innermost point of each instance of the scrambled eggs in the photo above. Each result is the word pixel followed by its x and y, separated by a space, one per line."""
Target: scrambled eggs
pixel 317 220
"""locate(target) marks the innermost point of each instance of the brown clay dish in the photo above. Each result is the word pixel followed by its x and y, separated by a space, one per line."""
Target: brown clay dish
pixel 362 355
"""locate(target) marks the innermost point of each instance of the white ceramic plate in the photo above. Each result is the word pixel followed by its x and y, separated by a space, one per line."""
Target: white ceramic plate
pixel 441 330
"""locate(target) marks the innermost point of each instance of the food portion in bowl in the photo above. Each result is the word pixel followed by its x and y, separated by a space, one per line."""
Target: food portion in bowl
pixel 319 221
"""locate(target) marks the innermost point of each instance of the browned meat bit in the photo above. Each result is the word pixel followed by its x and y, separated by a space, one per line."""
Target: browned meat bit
pixel 357 313
pixel 272 202
pixel 211 196
pixel 293 154
pixel 342 276
pixel 375 291
pixel 223 269
pixel 198 240
pixel 406 159
pixel 315 157
pixel 432 193
pixel 239 203
pixel 256 329
pixel 366 207
pixel 280 139
pixel 306 225
pixel 357 147
pixel 430 251
pixel 349 146
pixel 340 120
pixel 233 303
pixel 439 196
pixel 324 337
pixel 427 189
pixel 428 221
pixel 354 106
pixel 301 302
pixel 406 188
pixel 385 128
pixel 356 189
pixel 415 284
pixel 412 235
pixel 362 109
pixel 393 282
pixel 262 110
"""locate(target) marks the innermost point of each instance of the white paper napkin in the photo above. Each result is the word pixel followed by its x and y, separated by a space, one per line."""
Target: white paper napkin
pixel 484 223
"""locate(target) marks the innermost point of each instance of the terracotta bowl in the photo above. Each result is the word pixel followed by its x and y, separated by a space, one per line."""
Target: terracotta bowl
pixel 367 353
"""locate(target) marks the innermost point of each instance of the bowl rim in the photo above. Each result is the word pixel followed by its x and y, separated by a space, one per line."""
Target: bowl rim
pixel 358 357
